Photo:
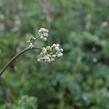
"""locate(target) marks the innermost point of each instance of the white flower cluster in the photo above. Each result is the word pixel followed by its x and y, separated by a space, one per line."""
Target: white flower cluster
pixel 30 40
pixel 43 33
pixel 50 53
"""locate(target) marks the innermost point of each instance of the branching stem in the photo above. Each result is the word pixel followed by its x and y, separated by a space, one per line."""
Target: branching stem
pixel 15 57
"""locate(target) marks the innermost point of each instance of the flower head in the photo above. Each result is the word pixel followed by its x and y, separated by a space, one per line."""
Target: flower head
pixel 50 53
pixel 30 40
pixel 43 33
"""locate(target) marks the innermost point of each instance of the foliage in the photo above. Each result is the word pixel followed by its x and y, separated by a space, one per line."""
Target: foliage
pixel 25 102
pixel 77 81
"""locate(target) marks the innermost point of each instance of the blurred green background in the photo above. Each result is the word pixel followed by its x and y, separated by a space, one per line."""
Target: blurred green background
pixel 80 80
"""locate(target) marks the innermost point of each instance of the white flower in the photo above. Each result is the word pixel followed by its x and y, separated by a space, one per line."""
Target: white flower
pixel 45 59
pixel 52 59
pixel 54 45
pixel 44 50
pixel 61 50
pixel 44 38
pixel 38 59
pixel 53 55
pixel 31 45
pixel 43 30
pixel 57 48
pixel 48 48
pixel 60 55
pixel 50 53
pixel 43 33
pixel 30 40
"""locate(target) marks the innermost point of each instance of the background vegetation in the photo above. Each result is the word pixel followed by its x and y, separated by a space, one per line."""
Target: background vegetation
pixel 80 80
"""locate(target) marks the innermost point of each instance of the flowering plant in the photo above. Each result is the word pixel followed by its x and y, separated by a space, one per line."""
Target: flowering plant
pixel 47 54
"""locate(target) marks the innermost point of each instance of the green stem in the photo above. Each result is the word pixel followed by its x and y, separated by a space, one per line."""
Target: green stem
pixel 15 57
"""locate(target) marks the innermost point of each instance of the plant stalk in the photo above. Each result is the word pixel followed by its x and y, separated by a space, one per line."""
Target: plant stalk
pixel 15 57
